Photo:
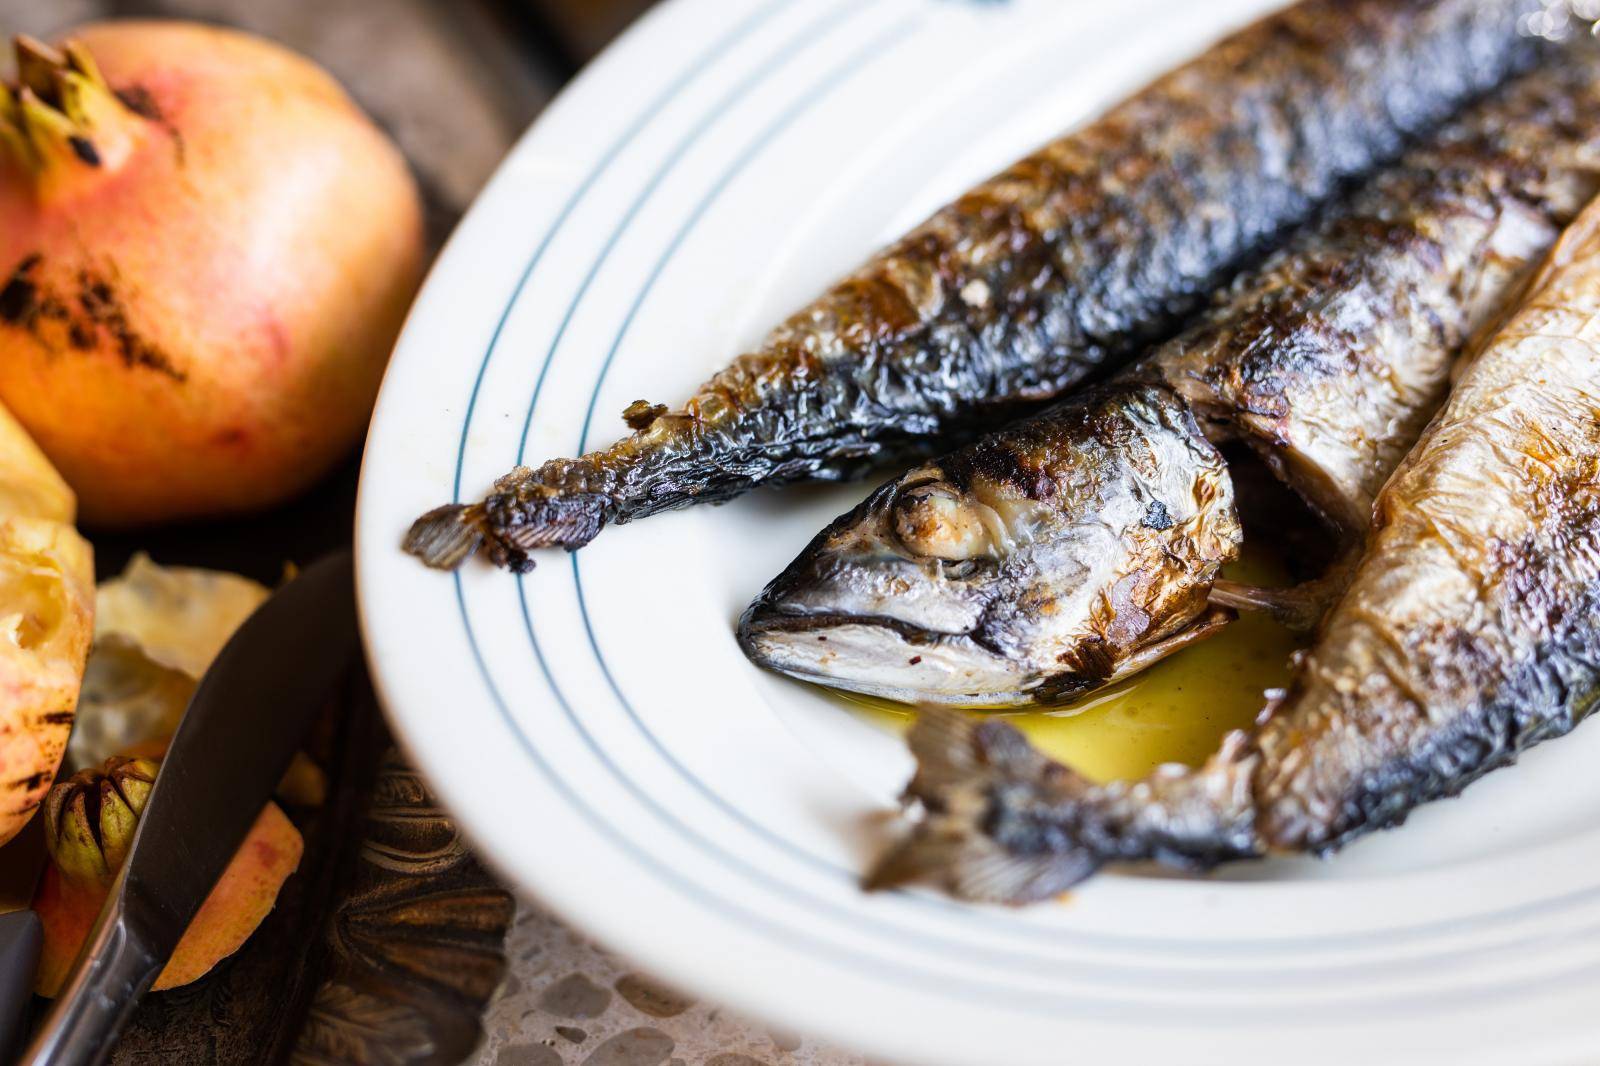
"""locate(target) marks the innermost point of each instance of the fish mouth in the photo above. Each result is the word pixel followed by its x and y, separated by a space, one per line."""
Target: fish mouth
pixel 883 657
pixel 891 659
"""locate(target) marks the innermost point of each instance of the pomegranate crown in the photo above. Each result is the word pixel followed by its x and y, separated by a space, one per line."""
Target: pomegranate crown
pixel 60 113
pixel 90 818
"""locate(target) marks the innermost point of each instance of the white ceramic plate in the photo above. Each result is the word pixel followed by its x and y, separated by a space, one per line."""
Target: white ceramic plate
pixel 603 742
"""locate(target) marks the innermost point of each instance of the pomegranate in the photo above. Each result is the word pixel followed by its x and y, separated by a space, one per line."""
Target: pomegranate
pixel 206 251
pixel 46 623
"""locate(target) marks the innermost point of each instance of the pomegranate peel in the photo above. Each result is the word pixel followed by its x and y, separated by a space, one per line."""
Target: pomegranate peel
pixel 206 253
pixel 46 621
pixel 29 485
pixel 90 821
pixel 46 618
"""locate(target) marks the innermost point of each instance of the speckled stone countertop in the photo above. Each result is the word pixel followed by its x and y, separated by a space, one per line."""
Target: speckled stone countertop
pixel 455 97
pixel 568 1003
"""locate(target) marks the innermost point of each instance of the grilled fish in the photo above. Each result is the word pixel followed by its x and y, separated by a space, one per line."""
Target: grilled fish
pixel 1074 258
pixel 1077 547
pixel 1470 632
pixel 1058 555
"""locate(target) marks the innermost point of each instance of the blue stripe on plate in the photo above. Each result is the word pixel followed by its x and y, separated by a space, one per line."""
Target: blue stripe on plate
pixel 721 48
pixel 828 20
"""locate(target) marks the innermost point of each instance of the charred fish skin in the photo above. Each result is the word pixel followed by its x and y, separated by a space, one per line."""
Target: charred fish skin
pixel 1029 569
pixel 1072 259
pixel 1469 633
pixel 1472 629
pixel 1328 360
pixel 1331 357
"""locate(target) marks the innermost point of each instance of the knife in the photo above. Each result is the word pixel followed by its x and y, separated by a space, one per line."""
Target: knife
pixel 236 739
pixel 21 862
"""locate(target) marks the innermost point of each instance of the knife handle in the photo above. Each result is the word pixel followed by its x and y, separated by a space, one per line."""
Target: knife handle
pixel 20 937
pixel 114 970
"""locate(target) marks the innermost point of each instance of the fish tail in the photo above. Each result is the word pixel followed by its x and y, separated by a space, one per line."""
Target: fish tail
pixel 527 521
pixel 990 803
pixel 507 526
pixel 446 536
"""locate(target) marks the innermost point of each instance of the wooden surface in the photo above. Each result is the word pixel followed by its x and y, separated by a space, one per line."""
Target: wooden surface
pixel 587 25
pixel 385 949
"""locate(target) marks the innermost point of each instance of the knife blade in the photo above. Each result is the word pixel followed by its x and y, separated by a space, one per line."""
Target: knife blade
pixel 236 739
pixel 21 863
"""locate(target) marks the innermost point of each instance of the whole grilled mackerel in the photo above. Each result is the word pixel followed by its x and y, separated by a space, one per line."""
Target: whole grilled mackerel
pixel 1074 548
pixel 1074 258
pixel 1470 632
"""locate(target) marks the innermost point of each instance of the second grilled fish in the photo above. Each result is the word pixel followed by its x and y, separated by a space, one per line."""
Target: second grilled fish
pixel 1470 632
pixel 1073 258
pixel 1076 547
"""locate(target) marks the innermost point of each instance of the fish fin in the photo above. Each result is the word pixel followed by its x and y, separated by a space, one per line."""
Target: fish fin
pixel 1299 608
pixel 978 870
pixel 944 745
pixel 507 527
pixel 965 768
pixel 447 536
pixel 1213 621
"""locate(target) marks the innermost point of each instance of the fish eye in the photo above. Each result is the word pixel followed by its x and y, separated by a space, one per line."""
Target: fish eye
pixel 933 521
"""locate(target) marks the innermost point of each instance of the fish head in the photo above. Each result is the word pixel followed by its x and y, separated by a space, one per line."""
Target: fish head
pixel 1011 579
pixel 885 599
